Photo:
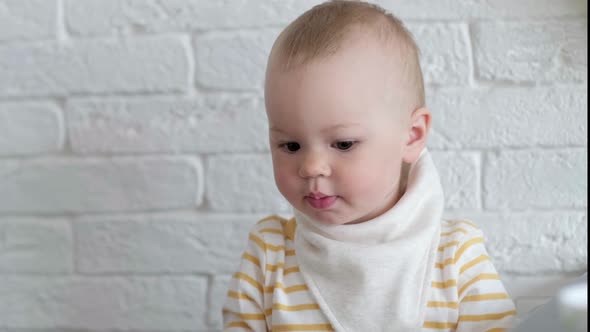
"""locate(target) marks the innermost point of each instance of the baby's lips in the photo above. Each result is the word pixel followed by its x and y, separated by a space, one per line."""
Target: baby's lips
pixel 322 203
pixel 317 195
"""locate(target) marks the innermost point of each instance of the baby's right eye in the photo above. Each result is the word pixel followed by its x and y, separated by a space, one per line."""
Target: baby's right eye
pixel 291 146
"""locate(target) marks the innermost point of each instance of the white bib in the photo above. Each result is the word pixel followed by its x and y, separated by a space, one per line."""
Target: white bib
pixel 376 275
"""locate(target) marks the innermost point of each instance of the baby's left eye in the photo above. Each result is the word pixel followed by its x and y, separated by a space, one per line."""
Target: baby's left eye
pixel 344 145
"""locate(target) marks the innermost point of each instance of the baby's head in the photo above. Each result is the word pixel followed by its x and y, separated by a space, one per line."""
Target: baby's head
pixel 345 103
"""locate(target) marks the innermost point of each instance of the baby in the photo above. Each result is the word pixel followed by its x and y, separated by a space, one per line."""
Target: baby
pixel 367 249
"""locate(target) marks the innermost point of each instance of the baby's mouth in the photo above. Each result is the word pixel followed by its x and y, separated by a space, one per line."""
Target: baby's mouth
pixel 320 201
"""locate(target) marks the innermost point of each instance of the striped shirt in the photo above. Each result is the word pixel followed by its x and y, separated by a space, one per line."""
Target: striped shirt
pixel 268 292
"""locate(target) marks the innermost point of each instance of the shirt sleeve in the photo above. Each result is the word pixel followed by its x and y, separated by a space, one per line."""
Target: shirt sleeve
pixel 243 309
pixel 484 303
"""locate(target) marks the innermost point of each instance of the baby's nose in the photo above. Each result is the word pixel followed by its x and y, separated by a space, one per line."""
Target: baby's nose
pixel 314 165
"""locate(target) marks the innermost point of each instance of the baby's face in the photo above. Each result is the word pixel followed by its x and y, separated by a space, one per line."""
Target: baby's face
pixel 338 128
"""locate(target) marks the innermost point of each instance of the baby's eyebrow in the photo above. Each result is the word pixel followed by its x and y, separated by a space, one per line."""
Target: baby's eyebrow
pixel 277 130
pixel 340 126
pixel 331 128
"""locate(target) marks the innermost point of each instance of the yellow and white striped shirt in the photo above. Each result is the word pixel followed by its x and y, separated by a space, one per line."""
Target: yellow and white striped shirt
pixel 268 293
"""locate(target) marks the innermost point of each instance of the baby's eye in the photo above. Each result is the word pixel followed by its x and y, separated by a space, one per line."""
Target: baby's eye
pixel 344 145
pixel 291 146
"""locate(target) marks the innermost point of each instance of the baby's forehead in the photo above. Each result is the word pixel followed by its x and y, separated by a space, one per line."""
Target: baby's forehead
pixel 358 65
pixel 397 62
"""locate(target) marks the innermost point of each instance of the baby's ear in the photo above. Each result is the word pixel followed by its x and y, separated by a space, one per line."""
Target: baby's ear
pixel 418 129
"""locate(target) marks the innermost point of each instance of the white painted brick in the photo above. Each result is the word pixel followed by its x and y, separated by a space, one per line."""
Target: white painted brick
pixel 27 19
pixel 242 183
pixel 459 176
pixel 27 128
pixel 35 245
pixel 508 117
pixel 164 303
pixel 551 51
pixel 473 9
pixel 535 243
pixel 99 17
pixel 233 60
pixel 73 185
pixel 150 64
pixel 213 124
pixel 161 243
pixel 536 179
pixel 444 52
pixel 217 294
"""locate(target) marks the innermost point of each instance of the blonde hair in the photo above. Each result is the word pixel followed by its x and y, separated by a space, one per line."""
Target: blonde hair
pixel 322 30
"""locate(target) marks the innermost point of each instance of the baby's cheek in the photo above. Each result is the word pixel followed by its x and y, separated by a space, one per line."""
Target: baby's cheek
pixel 360 180
pixel 370 181
pixel 285 182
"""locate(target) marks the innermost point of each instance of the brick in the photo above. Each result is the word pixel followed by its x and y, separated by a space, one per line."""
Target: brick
pixel 99 17
pixel 242 183
pixel 29 245
pixel 104 17
pixel 212 124
pixel 27 20
pixel 535 243
pixel 217 295
pixel 232 60
pixel 546 52
pixel 28 128
pixel 508 117
pixel 164 303
pixel 444 51
pixel 474 9
pixel 520 180
pixel 459 176
pixel 99 185
pixel 150 64
pixel 161 243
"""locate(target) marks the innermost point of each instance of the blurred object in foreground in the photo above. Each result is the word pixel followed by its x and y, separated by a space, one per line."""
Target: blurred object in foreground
pixel 566 312
pixel 573 307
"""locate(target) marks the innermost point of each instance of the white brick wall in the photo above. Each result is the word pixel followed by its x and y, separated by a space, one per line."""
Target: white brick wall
pixel 133 152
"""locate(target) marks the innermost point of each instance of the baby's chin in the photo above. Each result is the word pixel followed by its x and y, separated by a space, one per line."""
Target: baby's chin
pixel 331 218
